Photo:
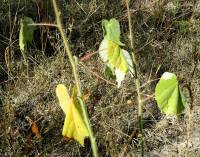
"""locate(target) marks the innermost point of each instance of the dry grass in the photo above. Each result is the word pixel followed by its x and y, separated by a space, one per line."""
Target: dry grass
pixel 167 39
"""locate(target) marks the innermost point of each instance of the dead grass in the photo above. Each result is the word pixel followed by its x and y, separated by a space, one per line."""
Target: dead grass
pixel 166 38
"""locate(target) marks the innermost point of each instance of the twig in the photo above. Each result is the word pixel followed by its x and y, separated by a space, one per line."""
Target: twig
pixel 74 70
pixel 43 24
pixel 88 56
pixel 98 76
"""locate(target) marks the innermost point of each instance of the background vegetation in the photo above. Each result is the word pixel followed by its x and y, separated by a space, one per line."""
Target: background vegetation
pixel 167 38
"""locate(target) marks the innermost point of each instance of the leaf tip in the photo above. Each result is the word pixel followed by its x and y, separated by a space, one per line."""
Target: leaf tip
pixel 167 76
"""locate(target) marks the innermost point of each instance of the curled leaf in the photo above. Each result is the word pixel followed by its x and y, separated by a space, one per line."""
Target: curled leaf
pixel 117 59
pixel 74 126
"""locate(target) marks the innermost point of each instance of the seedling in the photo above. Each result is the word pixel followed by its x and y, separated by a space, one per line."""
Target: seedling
pixel 168 95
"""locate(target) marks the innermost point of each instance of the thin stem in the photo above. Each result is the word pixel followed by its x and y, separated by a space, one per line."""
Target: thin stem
pixel 74 70
pixel 43 24
pixel 137 82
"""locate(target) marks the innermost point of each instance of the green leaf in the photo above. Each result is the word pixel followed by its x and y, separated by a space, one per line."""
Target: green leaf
pixel 117 59
pixel 113 55
pixel 111 30
pixel 26 33
pixel 168 95
pixel 74 126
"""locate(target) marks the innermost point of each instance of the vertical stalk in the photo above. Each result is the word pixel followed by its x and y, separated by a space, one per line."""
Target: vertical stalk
pixel 137 82
pixel 74 70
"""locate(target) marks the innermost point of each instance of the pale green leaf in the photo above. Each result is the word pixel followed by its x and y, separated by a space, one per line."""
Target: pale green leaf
pixel 113 55
pixel 26 33
pixel 111 30
pixel 169 98
pixel 117 59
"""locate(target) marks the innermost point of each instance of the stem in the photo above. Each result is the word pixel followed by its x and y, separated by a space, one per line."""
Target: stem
pixel 137 82
pixel 74 70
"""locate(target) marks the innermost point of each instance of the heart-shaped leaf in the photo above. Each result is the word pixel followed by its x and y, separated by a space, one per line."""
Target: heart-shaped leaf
pixel 169 97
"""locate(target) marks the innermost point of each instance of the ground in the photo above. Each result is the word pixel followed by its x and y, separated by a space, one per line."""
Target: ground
pixel 166 37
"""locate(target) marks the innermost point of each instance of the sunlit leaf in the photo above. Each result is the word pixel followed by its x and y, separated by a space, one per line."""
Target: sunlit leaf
pixel 117 59
pixel 111 30
pixel 169 96
pixel 74 126
pixel 26 33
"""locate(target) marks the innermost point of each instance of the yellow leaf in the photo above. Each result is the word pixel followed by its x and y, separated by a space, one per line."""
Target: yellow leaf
pixel 74 126
pixel 63 96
